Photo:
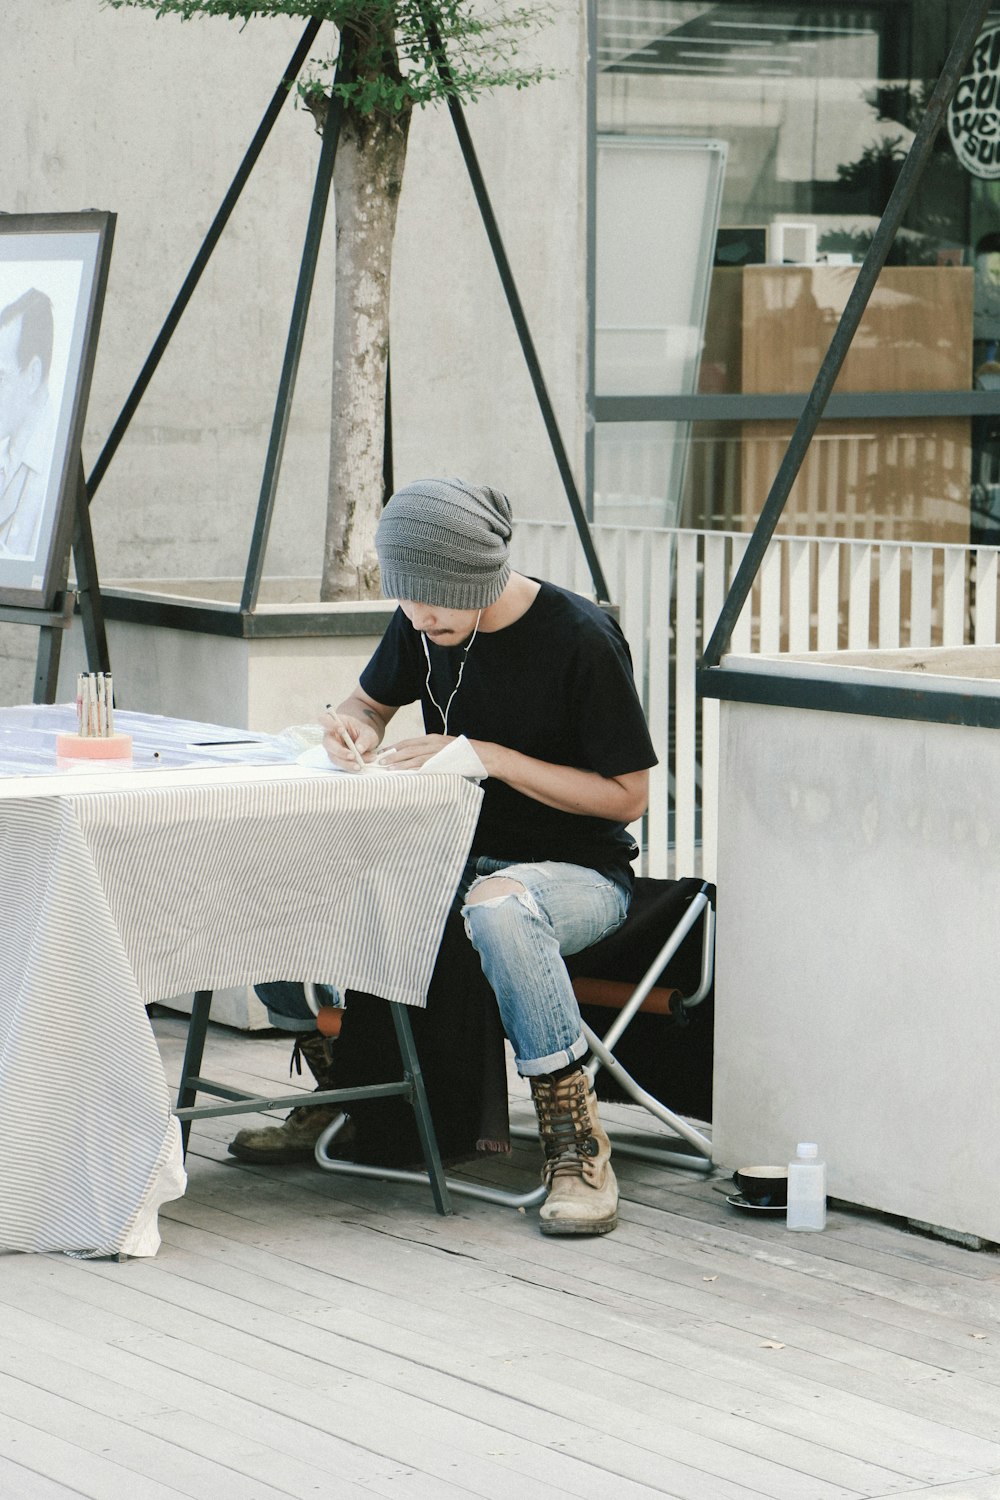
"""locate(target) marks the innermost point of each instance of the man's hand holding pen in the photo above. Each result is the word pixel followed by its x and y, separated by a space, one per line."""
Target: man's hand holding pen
pixel 349 742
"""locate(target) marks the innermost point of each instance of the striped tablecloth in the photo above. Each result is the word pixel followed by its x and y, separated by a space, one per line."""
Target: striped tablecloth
pixel 197 879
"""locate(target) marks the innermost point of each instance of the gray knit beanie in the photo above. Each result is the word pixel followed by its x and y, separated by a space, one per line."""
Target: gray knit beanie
pixel 444 542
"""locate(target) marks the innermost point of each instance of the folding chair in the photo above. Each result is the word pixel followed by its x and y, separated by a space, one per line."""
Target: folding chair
pixel 623 973
pixel 644 968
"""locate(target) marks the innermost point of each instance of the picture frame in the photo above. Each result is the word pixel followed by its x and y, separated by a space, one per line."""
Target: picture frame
pixel 53 276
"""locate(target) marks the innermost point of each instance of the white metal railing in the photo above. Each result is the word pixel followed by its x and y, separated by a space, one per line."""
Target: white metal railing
pixel 810 594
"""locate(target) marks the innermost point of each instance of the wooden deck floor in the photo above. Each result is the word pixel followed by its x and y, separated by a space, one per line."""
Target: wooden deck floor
pixel 306 1335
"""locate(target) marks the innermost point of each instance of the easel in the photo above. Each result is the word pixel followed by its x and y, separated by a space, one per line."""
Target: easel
pixel 49 604
pixel 54 622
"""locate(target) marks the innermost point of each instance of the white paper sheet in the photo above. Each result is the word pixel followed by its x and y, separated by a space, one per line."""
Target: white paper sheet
pixel 458 758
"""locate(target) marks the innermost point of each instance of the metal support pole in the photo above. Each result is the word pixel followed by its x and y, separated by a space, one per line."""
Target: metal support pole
pixel 421 1107
pixel 388 468
pixel 201 259
pixel 895 209
pixel 87 585
pixel 53 625
pixel 516 308
pixel 201 1010
pixel 590 434
pixel 297 327
pixel 47 661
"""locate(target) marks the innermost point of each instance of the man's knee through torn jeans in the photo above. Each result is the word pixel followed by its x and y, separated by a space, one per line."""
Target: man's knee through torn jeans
pixel 520 938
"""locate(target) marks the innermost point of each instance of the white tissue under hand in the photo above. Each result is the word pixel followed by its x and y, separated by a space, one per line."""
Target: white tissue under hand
pixel 459 758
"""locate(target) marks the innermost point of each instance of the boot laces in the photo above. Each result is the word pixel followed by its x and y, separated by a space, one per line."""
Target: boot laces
pixel 317 1053
pixel 564 1120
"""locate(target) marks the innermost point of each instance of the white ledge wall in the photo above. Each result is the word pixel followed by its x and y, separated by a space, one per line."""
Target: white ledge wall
pixel 858 954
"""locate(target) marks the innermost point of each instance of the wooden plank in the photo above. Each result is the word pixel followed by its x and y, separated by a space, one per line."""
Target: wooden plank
pixel 828 1238
pixel 137 1454
pixel 946 1439
pixel 686 631
pixel 889 586
pixel 658 707
pixel 953 603
pixel 49 1455
pixel 309 1373
pixel 921 596
pixel 848 1266
pixel 465 1416
pixel 489 1385
pixel 859 582
pixel 897 1243
pixel 827 594
pixel 724 1211
pixel 770 599
pixel 307 1455
pixel 300 1331
pixel 985 1488
pixel 742 636
pixel 798 551
pixel 713 596
pixel 985 620
pixel 19 1483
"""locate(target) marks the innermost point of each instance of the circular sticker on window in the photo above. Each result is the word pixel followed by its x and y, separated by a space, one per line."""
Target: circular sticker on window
pixel 974 112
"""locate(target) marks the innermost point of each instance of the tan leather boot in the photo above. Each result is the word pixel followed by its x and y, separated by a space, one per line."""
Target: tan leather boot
pixel 295 1139
pixel 583 1193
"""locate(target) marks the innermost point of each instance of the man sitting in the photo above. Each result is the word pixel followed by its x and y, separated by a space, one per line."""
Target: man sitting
pixel 540 682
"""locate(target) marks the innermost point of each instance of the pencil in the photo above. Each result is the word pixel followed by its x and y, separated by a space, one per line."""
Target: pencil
pixel 345 734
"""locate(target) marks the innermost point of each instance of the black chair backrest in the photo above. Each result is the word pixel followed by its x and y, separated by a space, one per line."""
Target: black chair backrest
pixel 670 1056
pixel 657 907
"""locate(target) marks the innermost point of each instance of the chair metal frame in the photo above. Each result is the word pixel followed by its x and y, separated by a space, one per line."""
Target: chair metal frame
pixel 602 1048
pixel 411 1087
pixel 699 1159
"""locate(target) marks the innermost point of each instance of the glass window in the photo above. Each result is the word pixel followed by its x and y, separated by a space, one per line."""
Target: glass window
pixel 817 106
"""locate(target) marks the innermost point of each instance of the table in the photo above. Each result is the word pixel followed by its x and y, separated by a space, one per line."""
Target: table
pixel 202 866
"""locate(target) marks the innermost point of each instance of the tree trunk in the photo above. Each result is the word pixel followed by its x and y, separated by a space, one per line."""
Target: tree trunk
pixel 368 176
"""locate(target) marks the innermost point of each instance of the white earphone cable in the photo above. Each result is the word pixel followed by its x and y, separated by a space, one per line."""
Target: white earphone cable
pixel 444 712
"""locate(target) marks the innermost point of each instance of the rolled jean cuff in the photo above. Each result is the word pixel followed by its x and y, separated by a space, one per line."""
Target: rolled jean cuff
pixel 289 1023
pixel 535 1067
pixel 287 1006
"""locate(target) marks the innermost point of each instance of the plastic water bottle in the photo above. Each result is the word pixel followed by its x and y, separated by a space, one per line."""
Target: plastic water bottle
pixel 806 1188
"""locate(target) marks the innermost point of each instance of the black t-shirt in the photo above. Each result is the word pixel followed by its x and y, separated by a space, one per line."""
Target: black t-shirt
pixel 557 685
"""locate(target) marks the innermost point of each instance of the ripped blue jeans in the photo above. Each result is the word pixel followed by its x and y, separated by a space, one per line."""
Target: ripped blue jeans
pixel 521 939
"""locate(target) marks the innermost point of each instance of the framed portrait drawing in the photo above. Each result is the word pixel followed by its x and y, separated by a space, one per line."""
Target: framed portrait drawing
pixel 53 272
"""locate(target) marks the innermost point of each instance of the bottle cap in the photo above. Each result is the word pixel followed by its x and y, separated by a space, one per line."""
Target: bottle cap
pixel 807 1150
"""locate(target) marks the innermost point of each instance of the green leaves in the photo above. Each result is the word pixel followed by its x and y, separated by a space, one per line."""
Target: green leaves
pixel 396 64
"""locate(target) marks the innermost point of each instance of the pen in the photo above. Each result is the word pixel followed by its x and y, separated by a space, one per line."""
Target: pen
pixel 345 735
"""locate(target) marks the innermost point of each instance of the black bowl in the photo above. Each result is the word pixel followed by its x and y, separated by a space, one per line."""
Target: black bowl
pixel 766 1187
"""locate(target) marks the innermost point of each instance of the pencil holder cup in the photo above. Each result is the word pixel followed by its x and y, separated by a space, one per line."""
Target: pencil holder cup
pixel 117 747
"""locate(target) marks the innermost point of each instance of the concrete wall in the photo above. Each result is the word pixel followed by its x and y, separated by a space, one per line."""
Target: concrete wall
pixel 116 110
pixel 857 946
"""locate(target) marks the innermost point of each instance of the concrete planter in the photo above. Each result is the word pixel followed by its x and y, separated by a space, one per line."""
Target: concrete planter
pixel 858 939
pixel 184 649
